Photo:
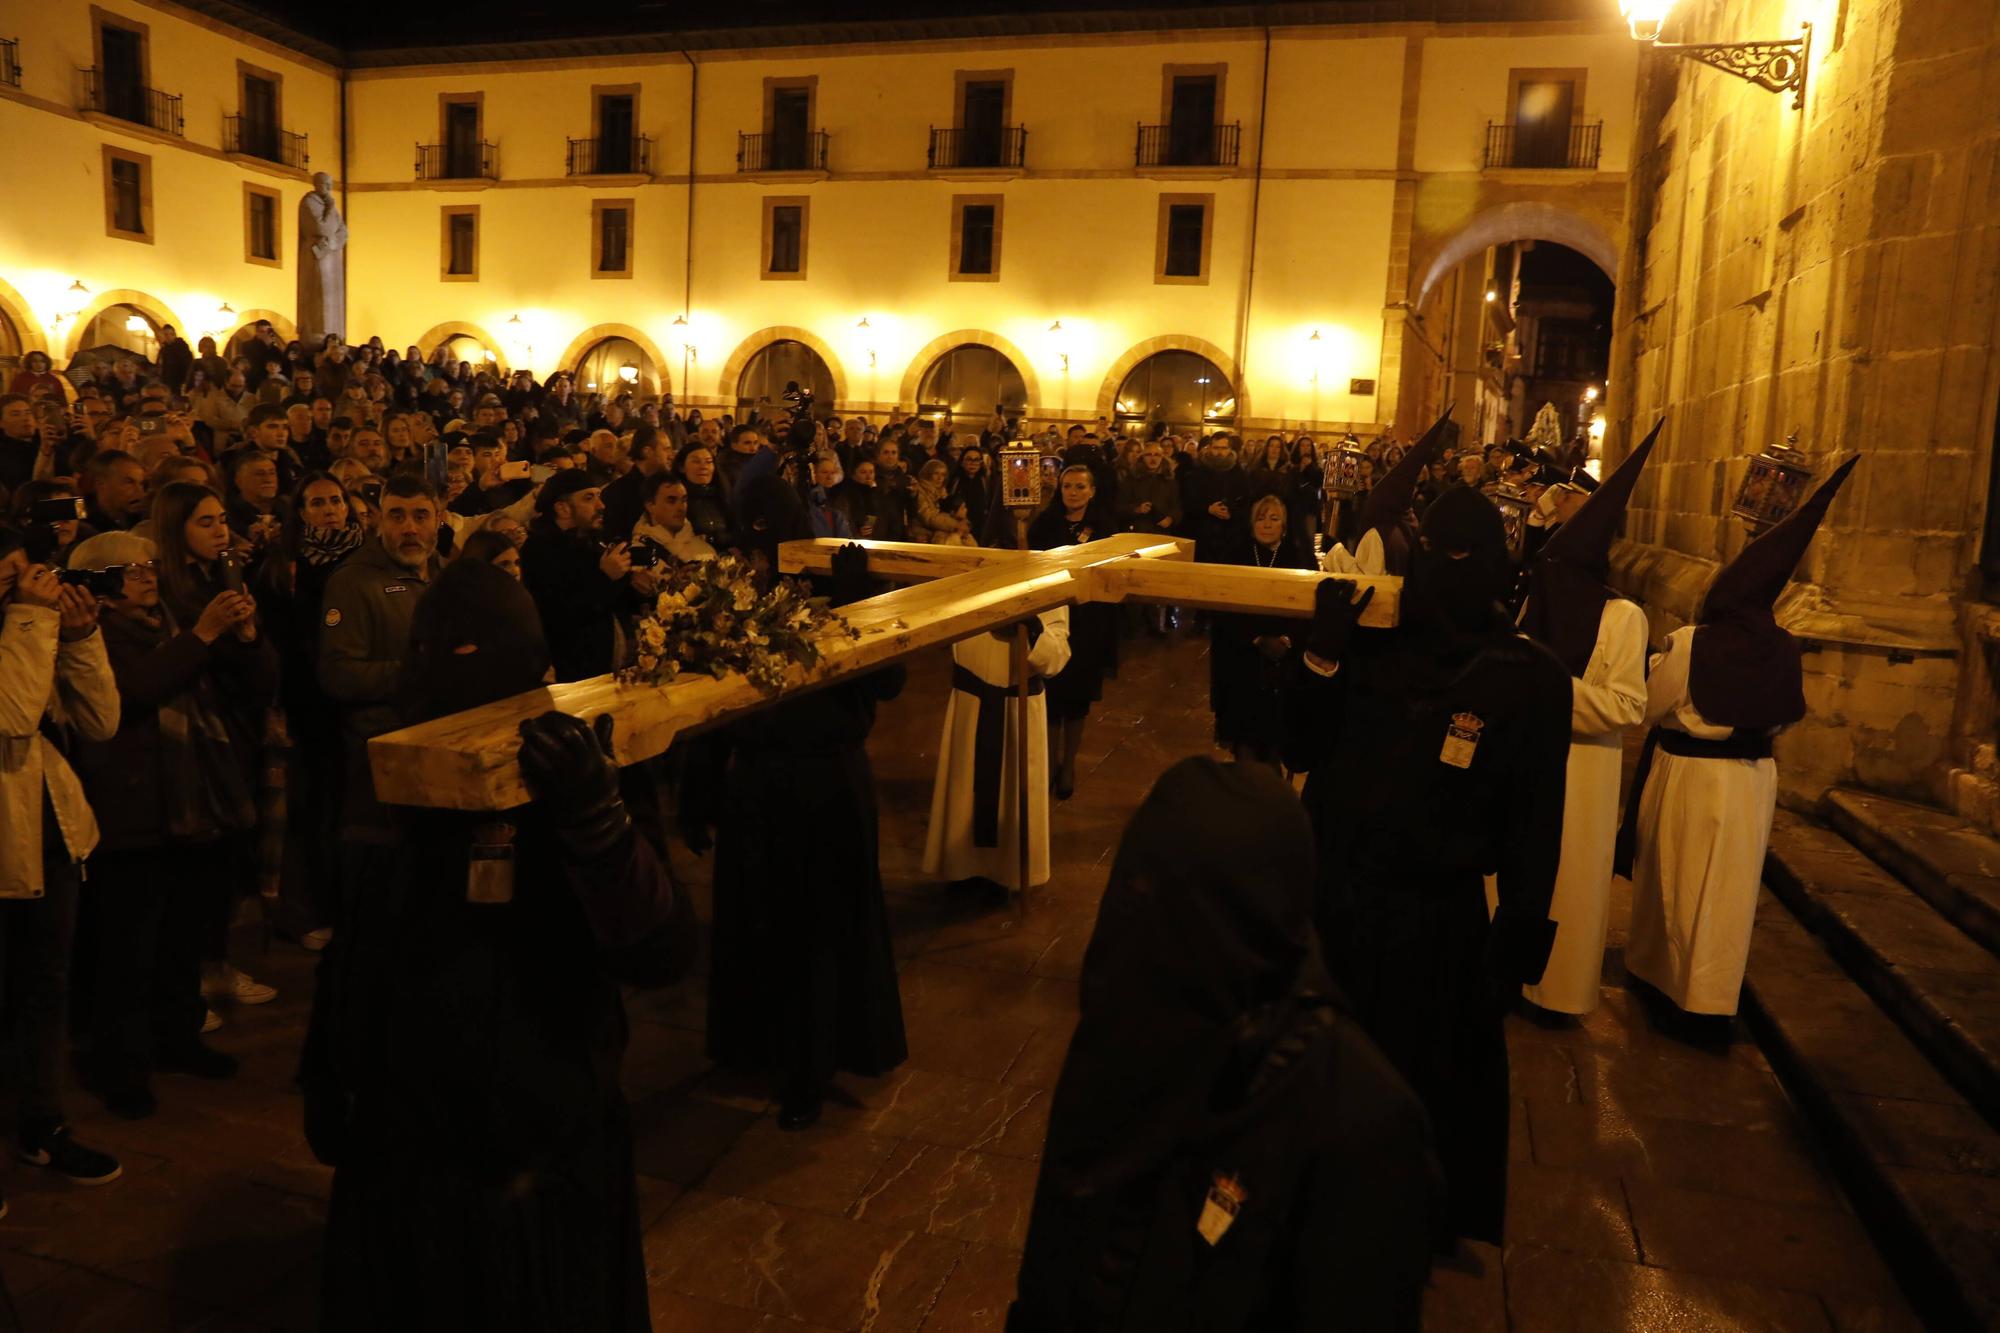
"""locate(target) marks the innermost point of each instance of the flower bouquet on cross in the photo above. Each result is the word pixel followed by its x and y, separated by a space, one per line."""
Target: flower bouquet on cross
pixel 710 618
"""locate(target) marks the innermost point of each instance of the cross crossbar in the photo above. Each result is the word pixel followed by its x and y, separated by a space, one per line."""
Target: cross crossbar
pixel 466 761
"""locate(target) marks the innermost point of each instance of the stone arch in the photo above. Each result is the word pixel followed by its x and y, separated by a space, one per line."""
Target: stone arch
pixel 152 307
pixel 1107 396
pixel 452 328
pixel 245 318
pixel 732 369
pixel 1521 220
pixel 937 347
pixel 596 333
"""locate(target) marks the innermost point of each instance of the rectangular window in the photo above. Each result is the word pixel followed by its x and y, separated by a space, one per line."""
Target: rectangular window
pixel 975 237
pixel 1192 108
pixel 461 243
pixel 123 66
pixel 260 97
pixel 460 131
pixel 984 98
pixel 788 123
pixel 260 225
pixel 1184 238
pixel 128 195
pixel 611 238
pixel 1547 103
pixel 785 237
pixel 615 126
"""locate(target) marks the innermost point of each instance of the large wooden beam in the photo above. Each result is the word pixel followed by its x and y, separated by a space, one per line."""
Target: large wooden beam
pixel 1278 592
pixel 467 761
pixel 902 562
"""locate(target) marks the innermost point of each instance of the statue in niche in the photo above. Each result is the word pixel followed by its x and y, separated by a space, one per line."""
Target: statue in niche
pixel 322 277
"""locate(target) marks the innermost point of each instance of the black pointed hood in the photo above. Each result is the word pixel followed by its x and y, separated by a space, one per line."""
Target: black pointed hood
pixel 1566 586
pixel 1389 499
pixel 1744 671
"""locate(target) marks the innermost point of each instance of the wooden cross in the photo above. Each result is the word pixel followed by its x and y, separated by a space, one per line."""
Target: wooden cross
pixel 466 761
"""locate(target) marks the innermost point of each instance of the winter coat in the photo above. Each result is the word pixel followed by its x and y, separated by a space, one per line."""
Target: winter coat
pixel 39 674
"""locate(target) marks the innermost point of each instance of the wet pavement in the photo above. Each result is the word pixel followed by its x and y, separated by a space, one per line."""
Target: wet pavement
pixel 1654 1186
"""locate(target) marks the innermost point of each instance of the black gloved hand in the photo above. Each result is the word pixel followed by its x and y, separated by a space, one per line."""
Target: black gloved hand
pixel 1336 611
pixel 568 766
pixel 849 574
pixel 1516 953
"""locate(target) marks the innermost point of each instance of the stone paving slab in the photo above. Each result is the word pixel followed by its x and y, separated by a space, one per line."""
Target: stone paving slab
pixel 1953 865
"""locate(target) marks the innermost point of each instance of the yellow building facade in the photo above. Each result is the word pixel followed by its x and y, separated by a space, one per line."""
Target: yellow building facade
pixel 1348 167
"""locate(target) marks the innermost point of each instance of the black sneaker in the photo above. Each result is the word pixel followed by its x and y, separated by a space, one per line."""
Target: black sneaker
pixel 57 1151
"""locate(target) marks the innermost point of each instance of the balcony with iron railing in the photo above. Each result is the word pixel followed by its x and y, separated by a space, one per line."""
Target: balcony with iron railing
pixel 1571 148
pixel 134 102
pixel 610 157
pixel 781 152
pixel 10 61
pixel 973 150
pixel 247 137
pixel 456 161
pixel 1182 144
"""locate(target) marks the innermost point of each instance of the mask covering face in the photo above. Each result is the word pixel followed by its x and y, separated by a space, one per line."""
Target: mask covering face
pixel 1457 597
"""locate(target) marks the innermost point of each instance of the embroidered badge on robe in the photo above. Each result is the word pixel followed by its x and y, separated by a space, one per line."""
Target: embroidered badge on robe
pixel 1461 740
pixel 1225 1200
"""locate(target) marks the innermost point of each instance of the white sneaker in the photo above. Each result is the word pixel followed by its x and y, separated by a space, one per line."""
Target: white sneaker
pixel 316 940
pixel 228 983
pixel 211 1023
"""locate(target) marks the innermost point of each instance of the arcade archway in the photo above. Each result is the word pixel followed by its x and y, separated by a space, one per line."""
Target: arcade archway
pixel 967 384
pixel 765 377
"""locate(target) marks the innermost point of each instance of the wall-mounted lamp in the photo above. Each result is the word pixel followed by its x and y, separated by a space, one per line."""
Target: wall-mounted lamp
pixel 1491 295
pixel 1056 329
pixel 1590 394
pixel 1777 66
pixel 629 372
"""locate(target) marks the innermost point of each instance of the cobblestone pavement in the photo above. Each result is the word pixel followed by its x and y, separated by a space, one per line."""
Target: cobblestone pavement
pixel 1653 1186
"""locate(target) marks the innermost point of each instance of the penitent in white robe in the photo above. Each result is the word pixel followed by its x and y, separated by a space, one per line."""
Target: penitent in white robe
pixel 1610 696
pixel 1703 827
pixel 949 850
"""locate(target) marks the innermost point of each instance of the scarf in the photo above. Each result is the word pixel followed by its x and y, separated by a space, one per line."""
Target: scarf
pixel 320 547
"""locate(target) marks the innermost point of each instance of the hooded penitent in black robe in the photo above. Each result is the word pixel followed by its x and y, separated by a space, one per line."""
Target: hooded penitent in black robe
pixel 802 977
pixel 1436 755
pixel 461 1068
pixel 1212 1044
pixel 1568 580
pixel 1386 511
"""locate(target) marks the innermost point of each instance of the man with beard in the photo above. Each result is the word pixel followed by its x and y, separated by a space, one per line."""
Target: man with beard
pixel 580 586
pixel 1215 500
pixel 364 635
pixel 1452 710
pixel 461 1069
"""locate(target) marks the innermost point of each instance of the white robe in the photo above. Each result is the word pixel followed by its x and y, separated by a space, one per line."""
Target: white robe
pixel 1703 827
pixel 949 851
pixel 1610 696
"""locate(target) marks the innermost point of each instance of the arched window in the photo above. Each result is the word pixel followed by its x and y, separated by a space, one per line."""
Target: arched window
pixel 464 347
pixel 762 386
pixel 969 384
pixel 1181 390
pixel 616 363
pixel 12 348
pixel 126 327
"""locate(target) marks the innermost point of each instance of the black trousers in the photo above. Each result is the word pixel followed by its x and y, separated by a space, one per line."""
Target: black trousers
pixel 146 913
pixel 36 935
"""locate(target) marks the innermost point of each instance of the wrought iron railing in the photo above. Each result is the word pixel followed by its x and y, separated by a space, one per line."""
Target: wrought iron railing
pixel 1184 145
pixel 1004 147
pixel 456 161
pixel 611 157
pixel 10 61
pixel 132 101
pixel 260 138
pixel 1508 146
pixel 781 152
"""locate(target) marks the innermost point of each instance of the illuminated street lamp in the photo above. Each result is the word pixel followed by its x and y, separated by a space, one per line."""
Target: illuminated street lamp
pixel 629 372
pixel 1777 66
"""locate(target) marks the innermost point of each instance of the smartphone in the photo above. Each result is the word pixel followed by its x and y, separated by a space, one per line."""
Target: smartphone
pixel 97 582
pixel 152 425
pixel 371 489
pixel 230 571
pixel 59 510
pixel 540 473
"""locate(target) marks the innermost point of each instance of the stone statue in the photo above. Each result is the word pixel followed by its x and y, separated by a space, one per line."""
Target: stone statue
pixel 322 277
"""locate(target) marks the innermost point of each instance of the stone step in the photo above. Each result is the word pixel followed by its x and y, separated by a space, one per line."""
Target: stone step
pixel 1922 1167
pixel 1933 979
pixel 1953 865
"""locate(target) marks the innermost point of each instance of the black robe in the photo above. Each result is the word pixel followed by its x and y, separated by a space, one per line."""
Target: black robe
pixel 1245 689
pixel 461 1076
pixel 1405 839
pixel 1093 626
pixel 1211 1044
pixel 803 978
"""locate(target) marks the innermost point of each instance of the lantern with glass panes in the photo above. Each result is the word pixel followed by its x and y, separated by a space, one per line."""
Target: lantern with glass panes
pixel 1340 468
pixel 1778 479
pixel 1514 505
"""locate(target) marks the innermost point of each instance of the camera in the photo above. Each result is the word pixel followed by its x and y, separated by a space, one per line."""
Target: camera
pixel 97 582
pixel 644 555
pixel 62 509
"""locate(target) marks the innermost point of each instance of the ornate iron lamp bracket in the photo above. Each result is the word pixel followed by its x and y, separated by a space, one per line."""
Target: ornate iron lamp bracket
pixel 1778 66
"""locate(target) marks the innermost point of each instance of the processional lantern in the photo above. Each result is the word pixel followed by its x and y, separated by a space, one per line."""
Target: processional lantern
pixel 1340 468
pixel 1021 477
pixel 1778 480
pixel 1514 505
